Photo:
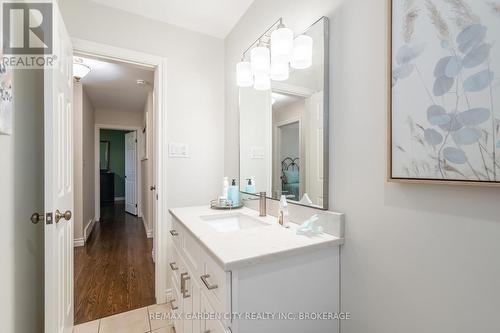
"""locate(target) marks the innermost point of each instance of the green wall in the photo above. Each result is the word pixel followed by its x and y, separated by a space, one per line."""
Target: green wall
pixel 117 157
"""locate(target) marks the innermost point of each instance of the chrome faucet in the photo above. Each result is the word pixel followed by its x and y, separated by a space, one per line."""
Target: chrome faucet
pixel 262 204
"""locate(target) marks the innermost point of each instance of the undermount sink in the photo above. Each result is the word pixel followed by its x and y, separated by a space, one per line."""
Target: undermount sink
pixel 232 222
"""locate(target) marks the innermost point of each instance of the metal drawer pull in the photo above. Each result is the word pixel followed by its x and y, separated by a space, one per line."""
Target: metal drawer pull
pixel 173 267
pixel 174 232
pixel 172 305
pixel 184 278
pixel 207 284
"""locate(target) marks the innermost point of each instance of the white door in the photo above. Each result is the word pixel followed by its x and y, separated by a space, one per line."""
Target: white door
pixel 314 167
pixel 131 172
pixel 58 125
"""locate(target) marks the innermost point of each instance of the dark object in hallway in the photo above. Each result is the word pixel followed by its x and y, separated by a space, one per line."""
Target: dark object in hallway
pixel 114 271
pixel 107 186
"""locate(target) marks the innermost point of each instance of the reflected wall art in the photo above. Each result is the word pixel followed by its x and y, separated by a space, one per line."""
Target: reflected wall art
pixel 445 91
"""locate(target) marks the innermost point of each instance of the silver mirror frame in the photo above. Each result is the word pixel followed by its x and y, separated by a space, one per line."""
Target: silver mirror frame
pixel 326 122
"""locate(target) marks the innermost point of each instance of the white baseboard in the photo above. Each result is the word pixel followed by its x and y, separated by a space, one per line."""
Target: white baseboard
pixel 78 242
pixel 88 229
pixel 119 198
pixel 149 232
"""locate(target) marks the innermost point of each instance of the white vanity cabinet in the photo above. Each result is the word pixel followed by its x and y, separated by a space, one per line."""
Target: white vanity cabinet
pixel 294 284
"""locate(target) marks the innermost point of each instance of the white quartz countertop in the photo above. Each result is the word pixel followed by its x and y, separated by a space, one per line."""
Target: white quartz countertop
pixel 247 247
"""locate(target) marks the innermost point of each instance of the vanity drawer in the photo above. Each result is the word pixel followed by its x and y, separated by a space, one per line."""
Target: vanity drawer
pixel 216 284
pixel 210 325
pixel 191 252
pixel 176 233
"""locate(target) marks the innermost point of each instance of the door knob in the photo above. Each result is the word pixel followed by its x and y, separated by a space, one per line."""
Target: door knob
pixel 37 218
pixel 153 188
pixel 66 215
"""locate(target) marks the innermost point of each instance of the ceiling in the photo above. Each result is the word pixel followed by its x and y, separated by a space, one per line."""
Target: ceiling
pixel 113 86
pixel 212 17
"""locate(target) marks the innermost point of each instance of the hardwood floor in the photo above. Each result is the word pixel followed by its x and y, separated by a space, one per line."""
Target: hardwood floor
pixel 114 271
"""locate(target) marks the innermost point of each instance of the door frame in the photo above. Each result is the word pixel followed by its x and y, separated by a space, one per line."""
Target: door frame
pixel 104 51
pixel 97 168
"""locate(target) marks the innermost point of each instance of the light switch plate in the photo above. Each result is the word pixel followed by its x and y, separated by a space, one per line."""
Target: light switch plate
pixel 178 150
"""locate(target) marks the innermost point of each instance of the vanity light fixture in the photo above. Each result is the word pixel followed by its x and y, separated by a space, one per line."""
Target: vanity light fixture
pixel 302 52
pixel 271 56
pixel 244 75
pixel 260 58
pixel 262 82
pixel 280 70
pixel 80 70
pixel 281 44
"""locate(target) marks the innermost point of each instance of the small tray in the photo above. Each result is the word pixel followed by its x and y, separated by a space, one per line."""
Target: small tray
pixel 214 204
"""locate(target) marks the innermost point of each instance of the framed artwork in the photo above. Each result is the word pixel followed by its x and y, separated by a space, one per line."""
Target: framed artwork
pixel 5 100
pixel 444 118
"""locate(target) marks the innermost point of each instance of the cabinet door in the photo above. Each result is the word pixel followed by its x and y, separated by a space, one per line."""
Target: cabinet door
pixel 190 293
pixel 209 325
pixel 177 307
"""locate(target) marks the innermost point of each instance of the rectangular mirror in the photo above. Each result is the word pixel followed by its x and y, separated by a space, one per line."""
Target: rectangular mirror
pixel 284 131
pixel 104 155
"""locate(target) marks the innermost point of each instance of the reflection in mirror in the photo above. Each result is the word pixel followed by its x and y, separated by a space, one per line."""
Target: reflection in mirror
pixel 104 155
pixel 284 132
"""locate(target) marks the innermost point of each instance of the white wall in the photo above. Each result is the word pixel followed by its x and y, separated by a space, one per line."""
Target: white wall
pixel 417 258
pixel 118 118
pixel 21 194
pixel 84 132
pixel 195 90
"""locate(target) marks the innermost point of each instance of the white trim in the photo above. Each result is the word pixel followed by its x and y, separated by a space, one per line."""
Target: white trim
pixel 78 242
pixel 119 198
pixel 287 88
pixel 149 232
pixel 90 226
pixel 161 139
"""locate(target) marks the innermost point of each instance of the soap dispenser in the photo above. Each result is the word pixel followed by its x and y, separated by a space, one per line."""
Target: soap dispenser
pixel 283 212
pixel 234 194
pixel 250 188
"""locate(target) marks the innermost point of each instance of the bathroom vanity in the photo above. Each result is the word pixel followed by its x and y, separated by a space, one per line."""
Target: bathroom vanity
pixel 235 262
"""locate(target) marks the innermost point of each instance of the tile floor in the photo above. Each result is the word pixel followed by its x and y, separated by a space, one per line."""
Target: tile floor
pixel 135 321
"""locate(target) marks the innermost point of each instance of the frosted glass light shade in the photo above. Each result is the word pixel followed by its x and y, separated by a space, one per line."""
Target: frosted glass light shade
pixel 244 76
pixel 302 52
pixel 281 44
pixel 262 82
pixel 279 70
pixel 260 58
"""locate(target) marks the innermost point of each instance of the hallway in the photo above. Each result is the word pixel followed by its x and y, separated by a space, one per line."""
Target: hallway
pixel 114 271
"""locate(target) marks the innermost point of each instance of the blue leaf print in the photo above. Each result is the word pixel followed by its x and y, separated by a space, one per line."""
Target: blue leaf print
pixel 477 56
pixel 454 155
pixel 433 137
pixel 474 117
pixel 440 69
pixel 479 81
pixel 453 125
pixel 453 67
pixel 467 136
pixel 471 36
pixel 437 116
pixel 442 85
